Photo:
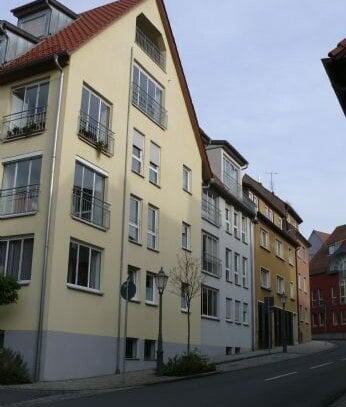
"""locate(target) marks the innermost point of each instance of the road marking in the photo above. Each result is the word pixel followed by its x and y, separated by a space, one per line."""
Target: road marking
pixel 279 377
pixel 321 365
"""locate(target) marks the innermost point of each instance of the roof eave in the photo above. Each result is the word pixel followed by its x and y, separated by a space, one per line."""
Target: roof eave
pixel 329 65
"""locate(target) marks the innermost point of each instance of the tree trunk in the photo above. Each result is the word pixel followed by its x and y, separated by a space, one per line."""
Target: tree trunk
pixel 188 330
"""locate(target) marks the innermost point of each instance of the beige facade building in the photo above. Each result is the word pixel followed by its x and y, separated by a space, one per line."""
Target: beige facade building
pixel 101 168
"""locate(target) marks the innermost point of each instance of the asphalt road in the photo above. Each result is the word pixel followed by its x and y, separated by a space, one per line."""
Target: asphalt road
pixel 314 381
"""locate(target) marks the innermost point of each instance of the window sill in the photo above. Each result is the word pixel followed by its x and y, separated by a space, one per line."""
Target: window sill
pixel 229 321
pixel 216 319
pixel 18 215
pixel 238 323
pixel 266 288
pixel 187 191
pixel 229 281
pixel 186 249
pixel 211 274
pixel 184 310
pixel 246 324
pixel 265 248
pixel 153 250
pixel 138 173
pixel 134 359
pixel 279 257
pixel 135 242
pixel 135 301
pixel 24 283
pixel 151 304
pixel 94 225
pixel 154 184
pixel 228 232
pixel 84 289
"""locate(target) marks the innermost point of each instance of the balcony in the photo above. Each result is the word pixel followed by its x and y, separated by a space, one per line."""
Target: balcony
pixel 237 191
pixel 210 212
pixel 96 134
pixel 24 124
pixel 19 201
pixel 149 106
pixel 151 49
pixel 211 265
pixel 90 209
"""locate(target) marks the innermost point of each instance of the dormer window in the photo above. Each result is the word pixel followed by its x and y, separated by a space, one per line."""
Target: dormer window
pixel 150 40
pixel 230 176
pixel 36 24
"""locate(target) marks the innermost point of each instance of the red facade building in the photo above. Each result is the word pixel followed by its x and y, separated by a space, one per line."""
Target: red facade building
pixel 328 287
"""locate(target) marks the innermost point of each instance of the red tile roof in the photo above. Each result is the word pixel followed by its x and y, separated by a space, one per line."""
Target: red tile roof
pixel 339 51
pixel 74 35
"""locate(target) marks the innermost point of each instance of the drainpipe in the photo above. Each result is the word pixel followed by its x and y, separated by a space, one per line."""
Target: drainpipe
pixel 122 249
pixel 297 291
pixel 253 301
pixel 38 355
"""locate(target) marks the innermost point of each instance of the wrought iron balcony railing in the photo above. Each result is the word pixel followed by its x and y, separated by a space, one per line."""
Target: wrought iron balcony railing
pixel 211 264
pixel 237 191
pixel 95 133
pixel 90 209
pixel 24 124
pixel 210 212
pixel 149 106
pixel 19 201
pixel 151 49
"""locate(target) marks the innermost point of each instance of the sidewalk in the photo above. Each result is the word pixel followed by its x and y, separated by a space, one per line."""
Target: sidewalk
pixel 40 393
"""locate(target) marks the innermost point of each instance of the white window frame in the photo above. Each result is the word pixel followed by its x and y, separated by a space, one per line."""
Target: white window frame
pixel 245 313
pixel 237 311
pixel 236 224
pixel 183 297
pixel 265 272
pixel 236 268
pixel 134 276
pixel 334 296
pixel 152 299
pixel 264 239
pixel 244 229
pixel 343 317
pixel 290 256
pixel 187 178
pixel 245 272
pixel 292 290
pixel 279 248
pixel 280 285
pixel 213 308
pixel 228 265
pixel 185 236
pixel 342 285
pixel 153 232
pixel 228 220
pixel 135 224
pixel 138 146
pixel 229 309
pixel 154 164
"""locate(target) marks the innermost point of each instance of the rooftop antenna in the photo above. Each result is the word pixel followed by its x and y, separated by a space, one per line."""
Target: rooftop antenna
pixel 271 179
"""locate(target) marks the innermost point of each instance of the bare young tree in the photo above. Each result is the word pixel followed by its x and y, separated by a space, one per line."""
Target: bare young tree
pixel 185 281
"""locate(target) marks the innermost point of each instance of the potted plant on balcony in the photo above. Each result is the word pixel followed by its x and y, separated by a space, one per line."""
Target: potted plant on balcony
pixel 100 146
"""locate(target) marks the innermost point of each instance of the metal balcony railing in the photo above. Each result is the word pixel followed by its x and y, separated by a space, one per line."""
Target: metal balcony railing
pixel 91 209
pixel 95 133
pixel 18 201
pixel 149 106
pixel 211 264
pixel 210 212
pixel 24 124
pixel 151 49
pixel 237 191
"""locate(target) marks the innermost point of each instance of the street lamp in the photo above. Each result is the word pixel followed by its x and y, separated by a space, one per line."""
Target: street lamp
pixel 283 303
pixel 161 282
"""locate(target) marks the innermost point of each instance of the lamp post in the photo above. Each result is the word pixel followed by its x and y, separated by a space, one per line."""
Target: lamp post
pixel 160 281
pixel 283 303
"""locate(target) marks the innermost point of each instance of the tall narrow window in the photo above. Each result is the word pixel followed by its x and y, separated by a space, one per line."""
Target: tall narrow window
pixel 244 229
pixel 135 219
pixel 264 238
pixel 88 196
pixel 209 302
pixel 84 266
pixel 236 224
pixel 149 288
pixel 229 306
pixel 245 272
pixel 186 179
pixel 231 176
pixel 228 264
pixel 184 296
pixel 279 248
pixel 153 227
pixel 237 312
pixel 133 275
pixel 228 220
pixel 16 257
pixel 137 152
pixel 186 236
pixel 154 164
pixel 245 313
pixel 280 285
pixel 236 268
pixel 210 252
pixel 20 187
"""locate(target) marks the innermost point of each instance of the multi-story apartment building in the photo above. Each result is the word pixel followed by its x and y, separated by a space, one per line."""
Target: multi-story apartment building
pixel 98 136
pixel 328 287
pixel 227 290
pixel 275 267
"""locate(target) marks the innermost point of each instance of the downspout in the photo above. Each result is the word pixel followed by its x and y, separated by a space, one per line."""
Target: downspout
pixel 297 290
pixel 253 302
pixel 48 226
pixel 122 249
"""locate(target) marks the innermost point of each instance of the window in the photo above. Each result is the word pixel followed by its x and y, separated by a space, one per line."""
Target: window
pixel 245 313
pixel 153 227
pixel 333 247
pixel 343 317
pixel 149 349
pixel 94 117
pixel 280 285
pixel 229 309
pixel 265 278
pixel 210 250
pixel 236 268
pixel 292 290
pixel 184 296
pixel 131 348
pixel 16 257
pixel 186 179
pixel 279 248
pixel 280 222
pixel 314 319
pixel 209 302
pixel 149 288
pixel 319 297
pixel 35 24
pixel 334 295
pixel 29 109
pixel 321 318
pixel 147 96
pixel 237 312
pixel 137 152
pixel 301 313
pixel 133 275
pixel 342 285
pixel 306 315
pixel 245 272
pixel 135 219
pixel 88 196
pixel 20 187
pixel 268 213
pixel 210 207
pixel 84 266
pixel 290 257
pixel 264 239
pixel 335 318
pixel 228 265
pixel 254 199
pixel 154 164
pixel 236 224
pixel 244 229
pixel 186 236
pixel 231 176
pixel 228 220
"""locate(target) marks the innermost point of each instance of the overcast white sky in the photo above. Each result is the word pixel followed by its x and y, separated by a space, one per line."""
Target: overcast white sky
pixel 256 79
